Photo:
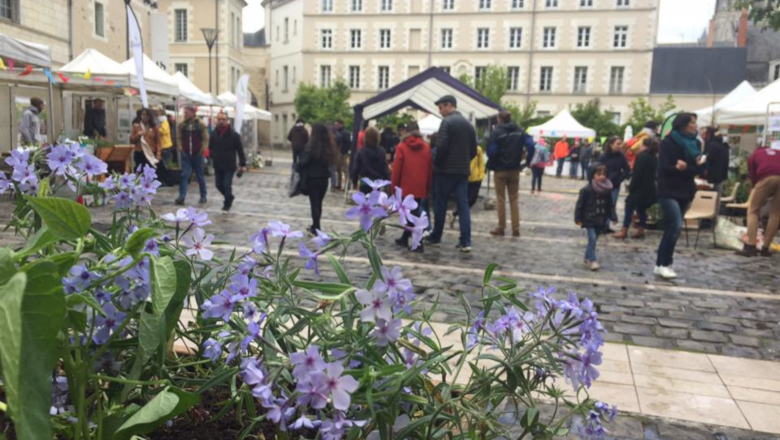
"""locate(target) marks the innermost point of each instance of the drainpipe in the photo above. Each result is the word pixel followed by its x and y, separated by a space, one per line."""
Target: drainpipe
pixel 531 55
pixel 70 30
pixel 430 35
pixel 216 21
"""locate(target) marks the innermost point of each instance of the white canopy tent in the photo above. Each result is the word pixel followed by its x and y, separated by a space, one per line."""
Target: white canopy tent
pixel 96 63
pixel 740 94
pixel 191 92
pixel 25 52
pixel 155 79
pixel 429 124
pixel 250 111
pixel 752 111
pixel 562 124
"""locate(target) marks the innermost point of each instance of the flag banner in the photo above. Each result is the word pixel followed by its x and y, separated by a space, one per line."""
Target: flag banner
pixel 2 65
pixel 88 74
pixel 137 44
pixel 242 90
pixel 48 74
pixel 11 65
pixel 63 78
pixel 27 70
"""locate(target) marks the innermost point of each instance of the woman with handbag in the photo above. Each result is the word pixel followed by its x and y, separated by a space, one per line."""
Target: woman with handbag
pixel 314 166
pixel 146 139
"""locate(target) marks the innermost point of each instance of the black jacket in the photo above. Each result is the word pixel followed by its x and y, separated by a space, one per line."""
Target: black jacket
pixel 641 190
pixel 312 167
pixel 594 209
pixel 575 154
pixel 343 140
pixel 717 153
pixel 456 145
pixel 95 122
pixel 298 138
pixel 673 183
pixel 371 163
pixel 389 140
pixel 617 167
pixel 505 148
pixel 223 150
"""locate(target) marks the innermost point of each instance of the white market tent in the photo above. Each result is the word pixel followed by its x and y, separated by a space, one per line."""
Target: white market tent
pixel 752 111
pixel 740 94
pixel 429 124
pixel 155 79
pixel 96 63
pixel 562 124
pixel 250 111
pixel 24 52
pixel 191 92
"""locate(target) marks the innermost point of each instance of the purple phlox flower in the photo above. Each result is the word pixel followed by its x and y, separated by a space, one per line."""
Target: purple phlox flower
pixel 126 181
pixel 399 424
pixel 331 383
pixel 166 238
pixel 255 330
pixel 376 185
pixel 180 217
pixel 5 184
pixel 59 159
pixel 149 175
pixel 279 412
pixel 109 184
pixel 19 156
pixel 233 352
pixel 405 206
pixel 150 186
pixel 107 362
pixel 198 243
pixel 92 166
pixel 139 272
pixel 542 299
pixel 253 374
pixel 151 247
pixel 102 296
pixel 579 368
pixel 75 150
pixel 122 200
pixel 212 349
pixel 81 277
pixel 267 271
pixel 378 306
pixel 340 355
pixel 243 286
pixel 198 219
pixel 308 393
pixel 250 310
pixel 220 306
pixel 311 257
pixel 418 327
pixel 386 331
pixel 366 209
pixel 410 359
pixel 519 322
pixel 392 282
pixel 307 362
pixel 305 422
pixel 321 240
pixel 246 266
pixel 127 298
pixel 605 410
pixel 259 241
pixel 419 225
pixel 59 394
pixel 334 429
pixel 24 174
pixel 30 187
pixel 106 325
pixel 403 301
pixel 279 229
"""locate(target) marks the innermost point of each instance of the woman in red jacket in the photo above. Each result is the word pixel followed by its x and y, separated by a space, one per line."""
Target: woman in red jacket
pixel 413 172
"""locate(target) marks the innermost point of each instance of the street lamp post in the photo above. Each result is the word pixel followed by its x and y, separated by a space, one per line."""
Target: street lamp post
pixel 210 35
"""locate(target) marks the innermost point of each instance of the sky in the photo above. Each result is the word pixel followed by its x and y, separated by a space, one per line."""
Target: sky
pixel 681 20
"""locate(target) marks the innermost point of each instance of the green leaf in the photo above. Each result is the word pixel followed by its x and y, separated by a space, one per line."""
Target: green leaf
pixel 137 241
pixel 175 307
pixel 66 219
pixel 162 275
pixel 376 261
pixel 41 239
pixel 165 406
pixel 149 335
pixel 327 288
pixel 7 268
pixel 489 273
pixel 42 276
pixel 64 262
pixel 342 274
pixel 530 418
pixel 29 324
pixel 81 298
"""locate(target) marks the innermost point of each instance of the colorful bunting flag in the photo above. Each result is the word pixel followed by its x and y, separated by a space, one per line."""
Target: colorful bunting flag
pixel 63 78
pixel 99 79
pixel 88 75
pixel 48 74
pixel 27 70
pixel 2 65
pixel 11 65
pixel 110 83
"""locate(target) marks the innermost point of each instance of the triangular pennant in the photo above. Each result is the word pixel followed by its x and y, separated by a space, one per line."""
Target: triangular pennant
pixel 48 74
pixel 11 65
pixel 27 70
pixel 88 74
pixel 99 79
pixel 64 78
pixel 2 65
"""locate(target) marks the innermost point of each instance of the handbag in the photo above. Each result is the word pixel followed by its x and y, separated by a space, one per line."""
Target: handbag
pixel 298 183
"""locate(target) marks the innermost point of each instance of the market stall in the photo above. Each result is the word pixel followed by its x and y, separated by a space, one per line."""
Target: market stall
pixel 563 124
pixel 712 115
pixel 429 124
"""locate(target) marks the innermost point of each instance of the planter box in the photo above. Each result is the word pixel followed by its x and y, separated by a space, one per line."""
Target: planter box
pixel 117 157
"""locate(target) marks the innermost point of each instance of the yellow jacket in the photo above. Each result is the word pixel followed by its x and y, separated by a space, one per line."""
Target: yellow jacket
pixel 165 135
pixel 478 166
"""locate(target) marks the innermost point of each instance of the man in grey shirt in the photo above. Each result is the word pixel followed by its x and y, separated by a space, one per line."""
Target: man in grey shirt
pixel 30 126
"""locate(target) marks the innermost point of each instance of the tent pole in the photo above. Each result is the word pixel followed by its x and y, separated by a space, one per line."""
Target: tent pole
pixel 51 114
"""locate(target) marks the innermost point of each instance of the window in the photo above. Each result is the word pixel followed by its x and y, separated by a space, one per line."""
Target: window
pixel 615 117
pixel 485 4
pixel 295 76
pixel 580 79
pixel 181 25
pixel 327 5
pixel 514 77
pixel 384 77
pixel 181 67
pixel 518 4
pixel 445 68
pixel 327 38
pixel 286 73
pixel 621 37
pixel 324 76
pixel 586 3
pixel 545 79
pixel 479 73
pixel 7 8
pixel 387 5
pixel 515 38
pixel 449 5
pixel 483 38
pixel 354 77
pixel 616 79
pixel 357 5
pixel 583 36
pixel 776 74
pixel 286 30
pixel 384 38
pixel 356 38
pixel 550 4
pixel 623 3
pixel 446 38
pixel 548 37
pixel 99 28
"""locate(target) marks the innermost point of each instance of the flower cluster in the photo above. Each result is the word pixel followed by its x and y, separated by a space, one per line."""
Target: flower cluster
pixel 137 188
pixel 70 160
pixel 321 241
pixel 593 427
pixel 23 173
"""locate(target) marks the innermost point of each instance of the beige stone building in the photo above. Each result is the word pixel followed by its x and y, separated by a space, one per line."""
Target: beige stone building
pixel 557 52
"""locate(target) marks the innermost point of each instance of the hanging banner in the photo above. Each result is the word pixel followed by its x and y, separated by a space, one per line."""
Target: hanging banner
pixel 242 91
pixel 88 74
pixel 137 46
pixel 48 74
pixel 2 65
pixel 27 70
pixel 63 78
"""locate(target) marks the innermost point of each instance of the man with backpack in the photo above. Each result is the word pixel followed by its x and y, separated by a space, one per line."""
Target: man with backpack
pixel 192 142
pixel 505 151
pixel 343 145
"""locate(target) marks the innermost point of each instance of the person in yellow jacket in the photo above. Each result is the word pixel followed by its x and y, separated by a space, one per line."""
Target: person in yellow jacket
pixel 166 144
pixel 475 181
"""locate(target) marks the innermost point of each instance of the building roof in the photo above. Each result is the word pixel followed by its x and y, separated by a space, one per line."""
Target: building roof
pixel 695 70
pixel 255 39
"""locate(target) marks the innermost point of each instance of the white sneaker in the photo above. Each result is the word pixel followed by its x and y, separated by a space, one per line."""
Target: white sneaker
pixel 667 273
pixel 594 266
pixel 657 270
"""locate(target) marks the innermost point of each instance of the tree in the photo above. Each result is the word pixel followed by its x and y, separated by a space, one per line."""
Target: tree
pixel 592 116
pixel 764 13
pixel 492 84
pixel 526 116
pixel 318 104
pixel 394 119
pixel 642 112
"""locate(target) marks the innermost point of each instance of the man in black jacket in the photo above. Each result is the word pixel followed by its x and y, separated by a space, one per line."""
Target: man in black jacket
pixel 298 138
pixel 505 156
pixel 456 145
pixel 344 144
pixel 717 153
pixel 95 120
pixel 224 146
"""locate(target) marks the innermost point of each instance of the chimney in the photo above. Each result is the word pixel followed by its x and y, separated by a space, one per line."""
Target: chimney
pixel 743 28
pixel 711 33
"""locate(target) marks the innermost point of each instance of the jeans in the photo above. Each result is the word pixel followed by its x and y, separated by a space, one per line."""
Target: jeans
pixel 332 170
pixel 585 165
pixel 590 251
pixel 163 174
pixel 559 171
pixel 188 165
pixel 224 181
pixel 296 156
pixel 536 178
pixel 641 211
pixel 317 189
pixel 573 169
pixel 508 181
pixel 342 170
pixel 425 207
pixel 674 211
pixel 451 185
